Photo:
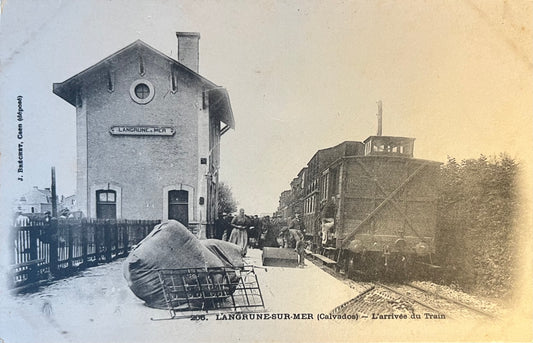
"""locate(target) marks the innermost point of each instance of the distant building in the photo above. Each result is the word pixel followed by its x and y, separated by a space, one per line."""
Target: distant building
pixel 321 182
pixel 148 135
pixel 292 201
pixel 297 193
pixel 35 201
pixel 68 203
pixel 284 202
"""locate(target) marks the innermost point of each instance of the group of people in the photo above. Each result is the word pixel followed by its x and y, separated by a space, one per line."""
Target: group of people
pixel 246 231
pixel 242 229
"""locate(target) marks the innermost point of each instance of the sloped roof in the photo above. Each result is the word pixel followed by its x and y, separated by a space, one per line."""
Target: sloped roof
pixel 67 89
pixel 220 106
pixel 38 196
pixel 332 149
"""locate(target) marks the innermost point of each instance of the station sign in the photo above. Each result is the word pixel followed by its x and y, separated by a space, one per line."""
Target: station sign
pixel 142 131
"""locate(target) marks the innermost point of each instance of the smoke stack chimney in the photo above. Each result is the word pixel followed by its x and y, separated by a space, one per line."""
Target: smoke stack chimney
pixel 188 52
pixel 380 116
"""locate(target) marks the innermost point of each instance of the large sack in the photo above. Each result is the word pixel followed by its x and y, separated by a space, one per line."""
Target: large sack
pixel 228 253
pixel 170 245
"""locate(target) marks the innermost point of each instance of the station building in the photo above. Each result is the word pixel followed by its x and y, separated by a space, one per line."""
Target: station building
pixel 148 135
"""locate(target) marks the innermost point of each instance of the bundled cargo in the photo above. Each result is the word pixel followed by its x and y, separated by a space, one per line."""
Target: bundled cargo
pixel 170 246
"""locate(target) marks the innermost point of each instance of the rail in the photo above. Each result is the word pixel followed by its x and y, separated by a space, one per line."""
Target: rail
pixel 468 307
pixel 390 288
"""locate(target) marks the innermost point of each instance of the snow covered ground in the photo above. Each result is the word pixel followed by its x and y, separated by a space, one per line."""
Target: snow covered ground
pixel 98 306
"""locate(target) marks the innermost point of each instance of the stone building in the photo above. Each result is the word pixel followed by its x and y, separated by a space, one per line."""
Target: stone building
pixel 148 134
pixel 35 200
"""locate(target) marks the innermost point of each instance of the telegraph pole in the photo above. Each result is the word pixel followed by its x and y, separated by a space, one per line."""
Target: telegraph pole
pixel 54 195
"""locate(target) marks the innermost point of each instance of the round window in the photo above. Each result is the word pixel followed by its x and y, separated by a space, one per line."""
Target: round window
pixel 142 91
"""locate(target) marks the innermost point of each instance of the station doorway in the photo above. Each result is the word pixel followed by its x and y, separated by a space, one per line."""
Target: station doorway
pixel 178 206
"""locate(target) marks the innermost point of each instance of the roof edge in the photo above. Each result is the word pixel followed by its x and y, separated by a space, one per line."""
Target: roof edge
pixel 61 89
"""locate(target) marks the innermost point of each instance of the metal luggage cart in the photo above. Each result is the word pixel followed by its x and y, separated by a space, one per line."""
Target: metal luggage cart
pixel 199 290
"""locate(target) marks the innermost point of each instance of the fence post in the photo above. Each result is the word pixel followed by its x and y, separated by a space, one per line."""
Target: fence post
pixel 107 241
pixel 33 269
pixel 84 243
pixel 70 245
pixel 115 237
pixel 97 242
pixel 125 238
pixel 52 235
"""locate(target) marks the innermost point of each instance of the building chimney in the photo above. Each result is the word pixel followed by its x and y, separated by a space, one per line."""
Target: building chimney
pixel 188 52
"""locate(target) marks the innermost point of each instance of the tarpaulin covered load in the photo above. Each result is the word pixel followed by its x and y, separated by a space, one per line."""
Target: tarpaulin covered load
pixel 171 245
pixel 225 251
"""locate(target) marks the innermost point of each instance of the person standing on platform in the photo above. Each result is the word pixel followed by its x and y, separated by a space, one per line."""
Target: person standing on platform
pixel 298 236
pixel 227 227
pixel 294 238
pixel 297 230
pixel 296 224
pixel 239 234
pixel 270 231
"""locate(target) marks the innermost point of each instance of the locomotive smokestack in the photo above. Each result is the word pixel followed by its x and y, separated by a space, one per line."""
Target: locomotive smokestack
pixel 380 117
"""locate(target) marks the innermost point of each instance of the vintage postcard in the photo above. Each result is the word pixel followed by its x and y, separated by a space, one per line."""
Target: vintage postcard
pixel 266 171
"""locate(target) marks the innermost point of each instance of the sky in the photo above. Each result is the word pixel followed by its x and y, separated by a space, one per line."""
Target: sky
pixel 302 76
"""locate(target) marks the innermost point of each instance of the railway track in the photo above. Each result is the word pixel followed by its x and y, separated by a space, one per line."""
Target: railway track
pixel 469 307
pixel 389 301
pixel 411 299
pixel 376 298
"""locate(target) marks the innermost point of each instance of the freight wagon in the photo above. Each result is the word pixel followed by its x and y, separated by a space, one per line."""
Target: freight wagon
pixel 368 207
pixel 385 205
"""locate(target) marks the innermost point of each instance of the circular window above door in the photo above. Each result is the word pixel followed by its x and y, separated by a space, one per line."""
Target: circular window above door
pixel 142 91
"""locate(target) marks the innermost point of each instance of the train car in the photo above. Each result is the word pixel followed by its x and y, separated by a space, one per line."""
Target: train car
pixel 385 204
pixel 321 183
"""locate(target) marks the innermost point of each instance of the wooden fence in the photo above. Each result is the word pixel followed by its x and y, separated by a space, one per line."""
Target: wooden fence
pixel 45 250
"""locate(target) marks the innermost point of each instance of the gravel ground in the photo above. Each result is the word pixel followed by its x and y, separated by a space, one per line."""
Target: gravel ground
pixel 441 306
pixel 454 310
pixel 473 301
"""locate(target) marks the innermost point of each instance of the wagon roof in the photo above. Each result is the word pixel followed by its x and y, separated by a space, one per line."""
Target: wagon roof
pixel 397 138
pixel 390 158
pixel 332 148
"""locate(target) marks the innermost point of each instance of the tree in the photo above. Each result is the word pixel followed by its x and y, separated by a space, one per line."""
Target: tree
pixel 477 213
pixel 226 202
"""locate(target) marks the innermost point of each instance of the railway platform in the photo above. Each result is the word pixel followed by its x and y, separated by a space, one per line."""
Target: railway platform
pixel 97 306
